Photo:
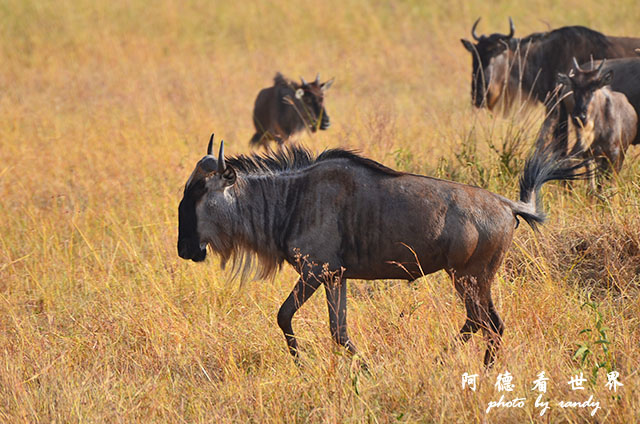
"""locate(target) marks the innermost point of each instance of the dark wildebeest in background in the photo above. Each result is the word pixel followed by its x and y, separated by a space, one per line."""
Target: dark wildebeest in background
pixel 507 67
pixel 606 123
pixel 287 108
pixel 340 216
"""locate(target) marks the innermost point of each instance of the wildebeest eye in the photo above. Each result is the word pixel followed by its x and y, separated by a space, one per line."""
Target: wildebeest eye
pixel 497 49
pixel 299 93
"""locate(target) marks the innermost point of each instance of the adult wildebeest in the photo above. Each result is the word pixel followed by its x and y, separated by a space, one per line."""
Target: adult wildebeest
pixel 606 123
pixel 340 216
pixel 505 67
pixel 289 107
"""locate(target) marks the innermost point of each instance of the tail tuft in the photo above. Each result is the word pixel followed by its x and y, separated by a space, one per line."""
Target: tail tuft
pixel 546 165
pixel 532 219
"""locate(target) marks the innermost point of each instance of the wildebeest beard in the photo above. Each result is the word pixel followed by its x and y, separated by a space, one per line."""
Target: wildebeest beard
pixel 249 260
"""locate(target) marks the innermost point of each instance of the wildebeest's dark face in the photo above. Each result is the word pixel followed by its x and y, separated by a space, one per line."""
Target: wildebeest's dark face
pixel 490 57
pixel 209 177
pixel 583 84
pixel 312 97
pixel 189 246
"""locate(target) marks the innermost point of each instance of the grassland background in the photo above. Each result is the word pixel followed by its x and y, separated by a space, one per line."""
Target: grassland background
pixel 106 106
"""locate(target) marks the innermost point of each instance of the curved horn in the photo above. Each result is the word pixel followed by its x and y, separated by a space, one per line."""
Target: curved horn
pixel 512 28
pixel 576 65
pixel 303 81
pixel 473 30
pixel 210 146
pixel 221 165
pixel 600 67
pixel 318 78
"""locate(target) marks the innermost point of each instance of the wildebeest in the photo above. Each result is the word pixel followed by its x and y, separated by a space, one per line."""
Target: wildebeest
pixel 288 107
pixel 606 123
pixel 625 80
pixel 340 215
pixel 505 67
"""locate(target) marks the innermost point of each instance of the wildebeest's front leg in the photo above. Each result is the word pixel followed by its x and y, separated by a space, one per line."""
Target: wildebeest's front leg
pixel 302 291
pixel 336 290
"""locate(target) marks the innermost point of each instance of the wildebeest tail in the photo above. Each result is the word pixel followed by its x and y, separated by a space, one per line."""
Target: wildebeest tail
pixel 545 165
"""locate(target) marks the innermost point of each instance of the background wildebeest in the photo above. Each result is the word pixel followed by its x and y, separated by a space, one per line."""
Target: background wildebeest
pixel 505 67
pixel 340 216
pixel 288 107
pixel 606 123
pixel 625 80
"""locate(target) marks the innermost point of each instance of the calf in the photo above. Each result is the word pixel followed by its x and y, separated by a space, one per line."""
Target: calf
pixel 606 122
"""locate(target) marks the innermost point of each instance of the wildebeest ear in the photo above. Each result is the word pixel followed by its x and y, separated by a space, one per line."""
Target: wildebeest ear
pixel 229 176
pixel 563 79
pixel 606 78
pixel 327 84
pixel 467 45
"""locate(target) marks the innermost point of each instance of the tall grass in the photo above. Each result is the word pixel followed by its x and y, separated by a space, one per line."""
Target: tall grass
pixel 105 107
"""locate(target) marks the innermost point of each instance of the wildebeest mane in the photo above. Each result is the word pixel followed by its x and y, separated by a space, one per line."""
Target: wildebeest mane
pixel 295 157
pixel 258 247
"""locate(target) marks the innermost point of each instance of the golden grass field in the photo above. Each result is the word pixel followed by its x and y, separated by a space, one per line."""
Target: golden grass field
pixel 105 107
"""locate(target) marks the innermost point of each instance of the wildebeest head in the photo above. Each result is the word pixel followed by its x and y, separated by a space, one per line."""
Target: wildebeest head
pixel 210 178
pixel 490 57
pixel 312 97
pixel 583 84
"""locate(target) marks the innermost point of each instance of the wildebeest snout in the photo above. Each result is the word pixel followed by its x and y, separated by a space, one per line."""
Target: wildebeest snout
pixel 581 118
pixel 191 249
pixel 477 98
pixel 325 122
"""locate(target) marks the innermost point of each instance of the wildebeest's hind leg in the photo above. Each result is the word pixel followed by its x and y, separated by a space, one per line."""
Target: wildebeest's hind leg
pixel 467 290
pixel 475 292
pixel 301 292
pixel 493 334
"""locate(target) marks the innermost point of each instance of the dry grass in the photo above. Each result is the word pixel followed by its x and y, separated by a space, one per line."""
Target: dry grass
pixel 106 106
